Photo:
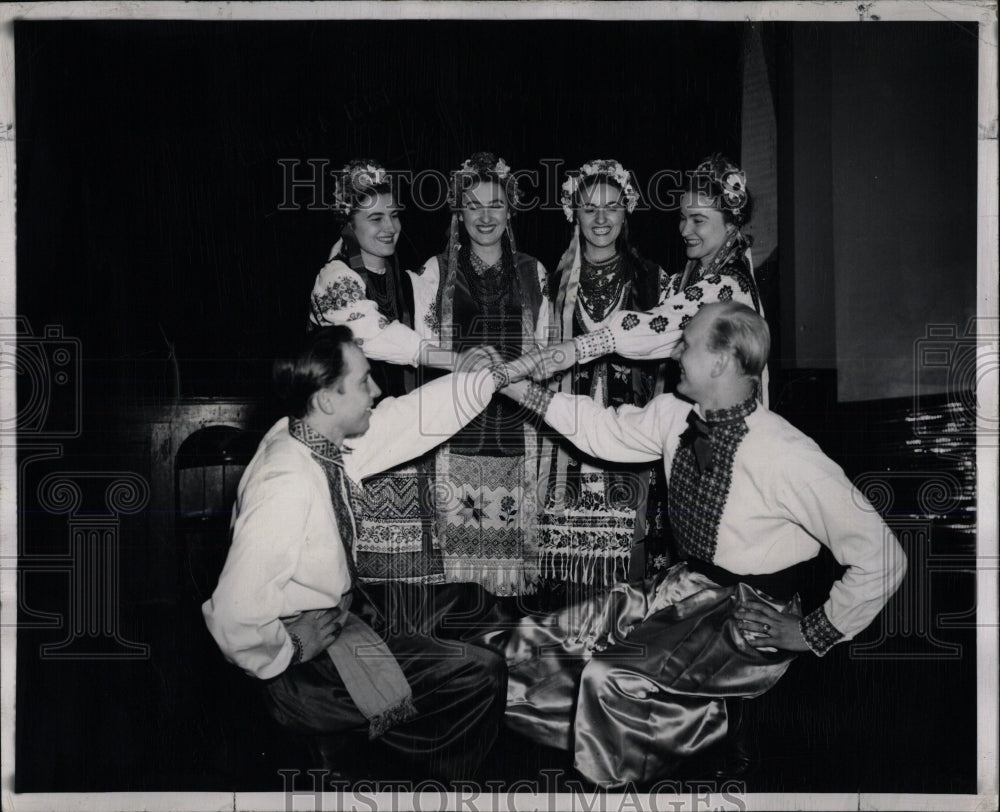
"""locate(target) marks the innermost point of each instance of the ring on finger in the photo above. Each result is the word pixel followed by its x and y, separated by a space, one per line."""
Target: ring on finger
pixel 767 627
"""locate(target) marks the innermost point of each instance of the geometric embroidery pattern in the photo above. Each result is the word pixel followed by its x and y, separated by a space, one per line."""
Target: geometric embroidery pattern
pixel 819 632
pixel 481 500
pixel 696 498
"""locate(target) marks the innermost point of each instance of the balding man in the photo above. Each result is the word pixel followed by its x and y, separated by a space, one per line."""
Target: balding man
pixel 633 680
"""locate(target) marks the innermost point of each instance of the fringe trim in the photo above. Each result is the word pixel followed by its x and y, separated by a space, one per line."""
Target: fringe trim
pixel 581 566
pixel 388 719
pixel 501 577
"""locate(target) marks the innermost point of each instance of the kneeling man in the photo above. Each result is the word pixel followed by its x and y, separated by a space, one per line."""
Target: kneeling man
pixel 334 654
pixel 635 679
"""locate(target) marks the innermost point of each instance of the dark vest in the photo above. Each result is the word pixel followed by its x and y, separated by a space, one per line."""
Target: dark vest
pixel 494 312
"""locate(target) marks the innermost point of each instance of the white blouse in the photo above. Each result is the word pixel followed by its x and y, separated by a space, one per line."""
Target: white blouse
pixel 338 297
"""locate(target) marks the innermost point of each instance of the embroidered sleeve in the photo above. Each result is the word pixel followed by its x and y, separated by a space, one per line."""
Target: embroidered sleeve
pixel 663 286
pixel 819 632
pixel 338 297
pixel 537 399
pixel 655 334
pixel 501 375
pixel 593 345
pixel 426 315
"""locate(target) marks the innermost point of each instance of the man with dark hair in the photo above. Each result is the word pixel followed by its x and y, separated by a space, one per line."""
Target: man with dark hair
pixel 633 680
pixel 333 654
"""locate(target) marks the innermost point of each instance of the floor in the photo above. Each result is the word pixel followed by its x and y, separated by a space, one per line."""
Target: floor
pixel 184 720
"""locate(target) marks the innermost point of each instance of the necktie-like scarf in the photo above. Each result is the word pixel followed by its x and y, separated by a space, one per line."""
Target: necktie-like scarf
pixel 698 434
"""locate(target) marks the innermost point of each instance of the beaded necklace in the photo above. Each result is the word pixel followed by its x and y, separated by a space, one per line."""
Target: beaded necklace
pixel 601 286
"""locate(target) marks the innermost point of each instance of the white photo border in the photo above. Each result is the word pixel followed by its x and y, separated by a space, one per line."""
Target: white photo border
pixel 984 14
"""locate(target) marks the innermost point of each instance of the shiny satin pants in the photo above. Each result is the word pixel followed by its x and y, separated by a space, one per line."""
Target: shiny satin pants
pixel 458 688
pixel 634 679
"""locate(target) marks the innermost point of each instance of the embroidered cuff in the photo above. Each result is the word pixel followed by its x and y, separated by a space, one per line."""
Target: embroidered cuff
pixel 501 376
pixel 819 632
pixel 594 345
pixel 537 399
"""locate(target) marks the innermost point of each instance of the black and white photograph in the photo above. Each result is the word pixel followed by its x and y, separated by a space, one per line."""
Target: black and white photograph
pixel 519 405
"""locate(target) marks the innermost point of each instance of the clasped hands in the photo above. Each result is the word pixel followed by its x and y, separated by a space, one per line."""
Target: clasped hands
pixel 539 364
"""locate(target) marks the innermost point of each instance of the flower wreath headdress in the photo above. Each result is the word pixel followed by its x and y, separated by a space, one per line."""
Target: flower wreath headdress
pixel 483 166
pixel 606 168
pixel 730 178
pixel 355 180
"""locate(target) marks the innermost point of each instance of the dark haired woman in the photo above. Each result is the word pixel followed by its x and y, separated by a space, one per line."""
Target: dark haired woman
pixel 595 511
pixel 362 287
pixel 482 292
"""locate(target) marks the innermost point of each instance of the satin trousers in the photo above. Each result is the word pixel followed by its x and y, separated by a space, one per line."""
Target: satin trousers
pixel 458 688
pixel 636 678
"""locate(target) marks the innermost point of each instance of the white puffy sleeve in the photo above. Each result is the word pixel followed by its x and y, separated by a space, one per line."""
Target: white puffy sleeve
pixel 655 333
pixel 244 610
pixel 816 494
pixel 406 427
pixel 338 297
pixel 625 434
pixel 426 319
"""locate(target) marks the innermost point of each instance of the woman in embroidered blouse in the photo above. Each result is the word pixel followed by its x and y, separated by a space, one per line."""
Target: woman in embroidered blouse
pixel 361 284
pixel 362 287
pixel 482 292
pixel 713 213
pixel 594 512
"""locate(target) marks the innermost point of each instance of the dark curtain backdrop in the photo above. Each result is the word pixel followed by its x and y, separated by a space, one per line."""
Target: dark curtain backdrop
pixel 148 194
pixel 149 183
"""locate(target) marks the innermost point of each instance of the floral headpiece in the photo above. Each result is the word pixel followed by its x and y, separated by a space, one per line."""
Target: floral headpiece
pixel 607 168
pixel 356 180
pixel 730 179
pixel 483 166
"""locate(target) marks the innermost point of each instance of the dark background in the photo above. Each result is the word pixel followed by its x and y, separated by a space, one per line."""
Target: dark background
pixel 149 183
pixel 148 228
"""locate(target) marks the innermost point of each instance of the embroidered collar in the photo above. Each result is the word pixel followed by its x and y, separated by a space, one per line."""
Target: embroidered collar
pixel 316 442
pixel 723 255
pixel 479 265
pixel 697 494
pixel 732 414
pixel 602 266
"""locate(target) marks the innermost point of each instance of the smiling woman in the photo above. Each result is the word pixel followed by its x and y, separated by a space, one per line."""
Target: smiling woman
pixel 482 292
pixel 593 512
pixel 361 284
pixel 362 287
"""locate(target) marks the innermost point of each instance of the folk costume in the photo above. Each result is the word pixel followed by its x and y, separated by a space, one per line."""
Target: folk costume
pixel 435 704
pixel 396 538
pixel 593 512
pixel 728 276
pixel 486 477
pixel 636 679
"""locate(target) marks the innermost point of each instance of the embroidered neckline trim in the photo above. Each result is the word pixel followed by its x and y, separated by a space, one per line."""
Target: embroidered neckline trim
pixel 732 413
pixel 316 442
